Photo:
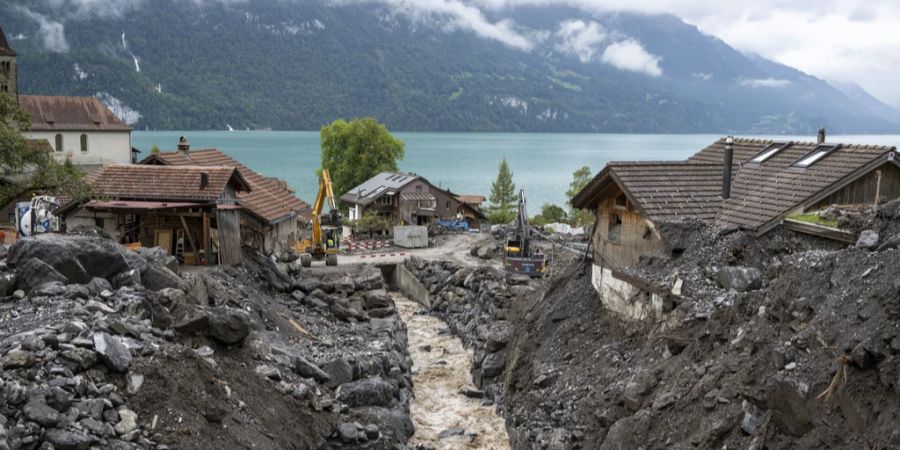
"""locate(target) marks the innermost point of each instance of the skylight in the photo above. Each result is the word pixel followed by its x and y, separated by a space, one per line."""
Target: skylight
pixel 815 155
pixel 769 152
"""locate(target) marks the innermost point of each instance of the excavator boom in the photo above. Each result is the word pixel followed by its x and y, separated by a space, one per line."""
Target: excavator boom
pixel 324 243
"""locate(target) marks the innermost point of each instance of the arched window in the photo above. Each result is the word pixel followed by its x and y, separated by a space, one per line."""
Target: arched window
pixel 59 142
pixel 84 147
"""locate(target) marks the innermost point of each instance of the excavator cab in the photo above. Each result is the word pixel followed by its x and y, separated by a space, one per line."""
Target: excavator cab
pixel 519 256
pixel 326 228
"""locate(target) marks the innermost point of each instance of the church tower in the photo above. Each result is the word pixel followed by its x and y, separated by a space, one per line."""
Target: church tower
pixel 8 82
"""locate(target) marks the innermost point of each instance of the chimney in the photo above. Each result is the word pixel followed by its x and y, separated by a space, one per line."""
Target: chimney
pixel 821 138
pixel 726 168
pixel 183 145
pixel 204 180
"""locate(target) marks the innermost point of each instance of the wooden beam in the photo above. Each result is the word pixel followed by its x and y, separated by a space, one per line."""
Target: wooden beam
pixel 819 230
pixel 206 254
pixel 187 233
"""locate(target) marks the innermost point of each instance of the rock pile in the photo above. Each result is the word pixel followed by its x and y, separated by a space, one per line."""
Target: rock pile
pixel 105 347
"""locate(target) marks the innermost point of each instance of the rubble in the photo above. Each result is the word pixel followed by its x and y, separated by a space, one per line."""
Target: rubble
pixel 104 347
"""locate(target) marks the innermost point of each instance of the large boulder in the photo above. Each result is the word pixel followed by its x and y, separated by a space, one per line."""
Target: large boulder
pixel 740 279
pixel 159 257
pixel 374 391
pixel 78 258
pixel 32 273
pixel 868 239
pixel 228 325
pixel 790 411
pixel 159 278
pixel 379 298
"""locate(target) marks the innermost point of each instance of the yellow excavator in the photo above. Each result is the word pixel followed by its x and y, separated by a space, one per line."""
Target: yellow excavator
pixel 326 228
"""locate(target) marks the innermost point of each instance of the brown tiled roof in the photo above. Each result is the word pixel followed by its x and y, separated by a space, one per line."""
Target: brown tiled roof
pixel 669 190
pixel 269 199
pixel 761 193
pixel 764 192
pixel 5 49
pixel 145 182
pixel 69 113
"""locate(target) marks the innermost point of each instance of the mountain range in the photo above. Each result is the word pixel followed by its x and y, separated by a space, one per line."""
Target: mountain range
pixel 299 64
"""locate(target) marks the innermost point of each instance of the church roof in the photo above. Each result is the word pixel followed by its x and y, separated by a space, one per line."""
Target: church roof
pixel 69 113
pixel 5 49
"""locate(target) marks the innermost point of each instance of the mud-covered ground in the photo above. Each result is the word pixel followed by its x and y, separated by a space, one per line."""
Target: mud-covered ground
pixel 808 358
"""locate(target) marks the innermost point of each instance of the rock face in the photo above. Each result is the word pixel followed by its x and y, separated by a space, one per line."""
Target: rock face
pixel 740 279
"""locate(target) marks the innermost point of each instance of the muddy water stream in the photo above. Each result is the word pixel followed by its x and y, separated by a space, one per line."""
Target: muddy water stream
pixel 441 368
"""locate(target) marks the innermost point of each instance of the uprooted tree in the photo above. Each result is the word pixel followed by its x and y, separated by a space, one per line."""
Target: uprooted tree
pixel 31 168
pixel 357 150
pixel 503 196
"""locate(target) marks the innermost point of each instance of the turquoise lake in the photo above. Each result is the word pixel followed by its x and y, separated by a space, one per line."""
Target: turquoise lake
pixel 466 163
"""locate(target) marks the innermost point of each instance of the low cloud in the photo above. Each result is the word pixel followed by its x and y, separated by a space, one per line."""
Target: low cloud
pixel 630 55
pixel 52 33
pixel 456 15
pixel 579 38
pixel 764 82
pixel 112 8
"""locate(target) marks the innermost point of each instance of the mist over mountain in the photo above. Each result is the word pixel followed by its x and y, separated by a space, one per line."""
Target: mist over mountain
pixel 417 66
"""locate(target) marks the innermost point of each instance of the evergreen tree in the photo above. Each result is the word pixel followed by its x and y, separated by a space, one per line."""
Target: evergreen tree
pixel 580 179
pixel 503 196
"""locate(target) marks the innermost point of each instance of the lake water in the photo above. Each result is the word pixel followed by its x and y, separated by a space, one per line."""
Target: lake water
pixel 466 163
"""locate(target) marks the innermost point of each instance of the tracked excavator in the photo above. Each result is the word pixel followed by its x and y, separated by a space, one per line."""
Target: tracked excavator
pixel 326 228
pixel 519 255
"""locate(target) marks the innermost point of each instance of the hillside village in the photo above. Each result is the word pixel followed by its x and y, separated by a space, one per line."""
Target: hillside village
pixel 745 297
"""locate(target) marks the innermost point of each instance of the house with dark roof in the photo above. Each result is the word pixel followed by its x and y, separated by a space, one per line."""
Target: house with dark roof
pixel 407 198
pixel 272 216
pixel 190 211
pixel 754 185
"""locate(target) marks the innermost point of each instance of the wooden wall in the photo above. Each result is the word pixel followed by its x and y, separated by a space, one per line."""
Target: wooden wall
pixel 622 234
pixel 229 228
pixel 862 191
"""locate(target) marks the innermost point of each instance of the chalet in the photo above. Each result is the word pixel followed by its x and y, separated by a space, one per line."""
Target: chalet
pixel 749 184
pixel 406 198
pixel 190 211
pixel 272 217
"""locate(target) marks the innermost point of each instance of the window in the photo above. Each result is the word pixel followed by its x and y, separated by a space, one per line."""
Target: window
pixel 448 204
pixel 418 188
pixel 386 200
pixel 615 228
pixel 84 147
pixel 769 152
pixel 621 201
pixel 59 142
pixel 4 88
pixel 817 154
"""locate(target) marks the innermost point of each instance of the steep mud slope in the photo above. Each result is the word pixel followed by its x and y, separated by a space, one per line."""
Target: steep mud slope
pixel 802 353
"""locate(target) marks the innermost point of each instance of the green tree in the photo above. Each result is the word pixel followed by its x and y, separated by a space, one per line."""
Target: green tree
pixel 503 196
pixel 357 150
pixel 34 170
pixel 154 150
pixel 550 213
pixel 580 179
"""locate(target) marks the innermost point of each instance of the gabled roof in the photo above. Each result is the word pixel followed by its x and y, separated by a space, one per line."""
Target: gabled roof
pixel 145 182
pixel 382 184
pixel 761 193
pixel 5 49
pixel 50 113
pixel 270 199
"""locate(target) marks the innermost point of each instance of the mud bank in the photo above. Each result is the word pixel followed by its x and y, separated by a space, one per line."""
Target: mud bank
pixel 447 410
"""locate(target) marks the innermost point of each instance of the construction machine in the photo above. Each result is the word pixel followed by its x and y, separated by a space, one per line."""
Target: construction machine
pixel 326 228
pixel 520 256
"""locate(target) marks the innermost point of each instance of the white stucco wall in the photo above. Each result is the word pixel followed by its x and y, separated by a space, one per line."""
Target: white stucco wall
pixel 622 298
pixel 104 147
